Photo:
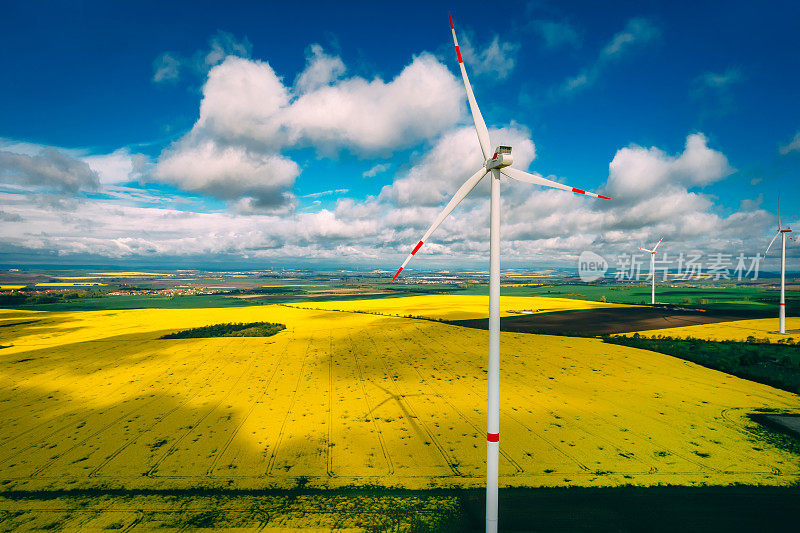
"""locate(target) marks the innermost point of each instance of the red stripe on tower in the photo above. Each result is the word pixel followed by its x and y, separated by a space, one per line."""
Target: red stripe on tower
pixel 578 191
pixel 458 51
pixel 783 303
pixel 493 437
pixel 398 273
pixel 417 247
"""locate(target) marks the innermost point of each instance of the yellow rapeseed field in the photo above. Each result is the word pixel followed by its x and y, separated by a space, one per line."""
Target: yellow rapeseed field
pixel 455 307
pixel 130 274
pixel 739 330
pixel 293 285
pixel 71 284
pixel 96 399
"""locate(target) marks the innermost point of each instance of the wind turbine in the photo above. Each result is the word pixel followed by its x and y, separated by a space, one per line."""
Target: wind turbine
pixel 783 233
pixel 497 163
pixel 652 267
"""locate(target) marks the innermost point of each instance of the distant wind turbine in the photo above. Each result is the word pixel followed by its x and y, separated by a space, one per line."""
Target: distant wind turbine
pixel 495 162
pixel 783 233
pixel 652 268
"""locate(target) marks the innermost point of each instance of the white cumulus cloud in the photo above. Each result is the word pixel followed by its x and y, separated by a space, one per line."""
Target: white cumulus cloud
pixel 249 116
pixel 321 69
pixel 637 172
pixel 374 116
pixel 453 159
pixel 241 99
pixel 245 100
pixel 117 167
pixel 229 173
pixel 49 168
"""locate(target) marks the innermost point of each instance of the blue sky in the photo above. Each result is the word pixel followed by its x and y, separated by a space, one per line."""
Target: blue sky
pixel 104 140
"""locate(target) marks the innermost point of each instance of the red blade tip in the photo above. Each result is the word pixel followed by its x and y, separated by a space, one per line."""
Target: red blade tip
pixel 451 20
pixel 398 273
pixel 603 197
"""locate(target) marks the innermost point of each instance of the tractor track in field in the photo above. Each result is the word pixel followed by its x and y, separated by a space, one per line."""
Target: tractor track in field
pixel 579 463
pixel 644 437
pixel 48 362
pixel 654 419
pixel 328 451
pixel 444 399
pixel 370 409
pixel 96 471
pixel 221 452
pixel 409 412
pixel 505 412
pixel 93 473
pixel 279 439
pixel 152 471
pixel 62 406
pixel 609 421
pixel 67 426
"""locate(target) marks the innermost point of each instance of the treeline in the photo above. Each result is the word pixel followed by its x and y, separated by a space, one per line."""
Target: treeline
pixel 26 298
pixel 775 364
pixel 232 329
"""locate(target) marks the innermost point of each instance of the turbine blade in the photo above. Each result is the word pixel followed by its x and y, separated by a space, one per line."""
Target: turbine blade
pixel 477 118
pixel 770 244
pixel 780 226
pixel 538 180
pixel 645 250
pixel 656 246
pixel 460 194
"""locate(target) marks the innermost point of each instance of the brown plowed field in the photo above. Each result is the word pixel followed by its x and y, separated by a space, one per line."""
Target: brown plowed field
pixel 590 322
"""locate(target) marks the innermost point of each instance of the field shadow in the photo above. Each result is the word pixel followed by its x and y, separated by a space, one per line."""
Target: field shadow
pixel 624 509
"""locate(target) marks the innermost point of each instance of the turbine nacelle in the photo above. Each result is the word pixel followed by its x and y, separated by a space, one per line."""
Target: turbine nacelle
pixel 501 158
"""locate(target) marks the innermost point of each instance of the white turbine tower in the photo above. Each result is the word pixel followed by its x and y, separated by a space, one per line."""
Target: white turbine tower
pixel 496 162
pixel 783 233
pixel 652 268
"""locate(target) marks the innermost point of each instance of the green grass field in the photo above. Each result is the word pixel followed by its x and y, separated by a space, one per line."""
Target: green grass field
pixel 777 365
pixel 204 301
pixel 143 301
pixel 744 299
pixel 749 301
